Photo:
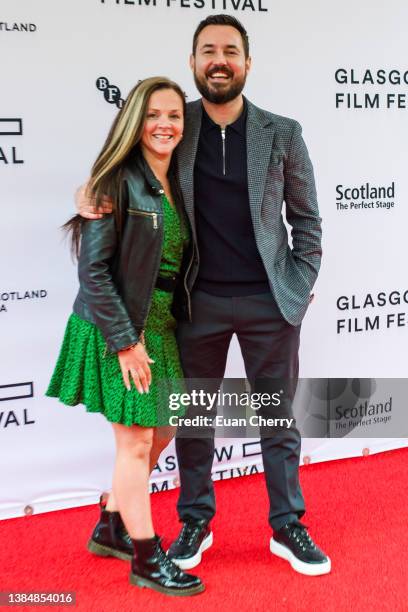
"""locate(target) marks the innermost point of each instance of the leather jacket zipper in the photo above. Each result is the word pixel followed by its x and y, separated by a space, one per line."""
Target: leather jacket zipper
pixel 154 217
pixel 143 213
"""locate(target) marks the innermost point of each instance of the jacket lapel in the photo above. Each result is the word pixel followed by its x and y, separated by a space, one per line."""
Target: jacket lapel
pixel 186 154
pixel 260 133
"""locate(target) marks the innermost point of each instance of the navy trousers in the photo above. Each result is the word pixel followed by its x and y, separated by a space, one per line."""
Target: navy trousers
pixel 269 347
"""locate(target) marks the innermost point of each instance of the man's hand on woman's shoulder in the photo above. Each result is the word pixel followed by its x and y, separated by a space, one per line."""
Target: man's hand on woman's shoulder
pixel 86 206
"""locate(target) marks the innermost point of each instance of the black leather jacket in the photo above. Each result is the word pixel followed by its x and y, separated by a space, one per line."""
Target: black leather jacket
pixel 118 270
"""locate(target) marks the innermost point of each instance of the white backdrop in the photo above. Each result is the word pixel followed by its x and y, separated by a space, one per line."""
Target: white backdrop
pixel 53 120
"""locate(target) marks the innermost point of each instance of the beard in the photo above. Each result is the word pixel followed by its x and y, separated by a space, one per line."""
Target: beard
pixel 223 94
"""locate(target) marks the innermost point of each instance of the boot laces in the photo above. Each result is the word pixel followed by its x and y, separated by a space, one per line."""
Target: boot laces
pixel 167 563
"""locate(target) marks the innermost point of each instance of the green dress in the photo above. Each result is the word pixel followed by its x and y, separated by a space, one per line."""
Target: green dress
pixel 87 374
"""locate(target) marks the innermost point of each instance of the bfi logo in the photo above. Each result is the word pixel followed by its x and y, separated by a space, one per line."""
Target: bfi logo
pixel 9 128
pixel 111 93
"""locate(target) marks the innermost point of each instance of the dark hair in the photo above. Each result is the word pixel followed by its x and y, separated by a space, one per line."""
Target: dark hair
pixel 222 20
pixel 125 133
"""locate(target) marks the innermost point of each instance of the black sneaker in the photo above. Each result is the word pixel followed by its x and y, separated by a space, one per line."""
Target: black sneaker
pixel 293 543
pixel 194 538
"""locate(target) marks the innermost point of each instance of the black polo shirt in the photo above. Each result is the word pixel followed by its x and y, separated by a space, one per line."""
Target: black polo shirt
pixel 230 264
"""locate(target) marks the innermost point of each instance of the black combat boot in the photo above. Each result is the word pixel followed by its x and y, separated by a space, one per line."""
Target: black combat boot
pixel 152 568
pixel 110 538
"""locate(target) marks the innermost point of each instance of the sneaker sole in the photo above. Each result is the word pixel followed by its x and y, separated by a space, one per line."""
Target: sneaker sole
pixel 186 564
pixel 145 583
pixel 107 551
pixel 308 569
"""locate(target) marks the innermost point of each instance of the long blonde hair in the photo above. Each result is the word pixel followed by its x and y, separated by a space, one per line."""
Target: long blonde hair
pixel 124 134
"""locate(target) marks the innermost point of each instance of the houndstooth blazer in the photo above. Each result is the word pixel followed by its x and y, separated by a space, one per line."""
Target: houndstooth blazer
pixel 279 170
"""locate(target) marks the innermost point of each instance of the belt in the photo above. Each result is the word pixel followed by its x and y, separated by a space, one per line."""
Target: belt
pixel 167 283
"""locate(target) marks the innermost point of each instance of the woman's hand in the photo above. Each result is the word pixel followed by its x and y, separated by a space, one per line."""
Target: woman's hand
pixel 136 361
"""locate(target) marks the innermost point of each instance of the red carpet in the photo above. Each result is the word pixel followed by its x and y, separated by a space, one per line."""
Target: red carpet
pixel 357 512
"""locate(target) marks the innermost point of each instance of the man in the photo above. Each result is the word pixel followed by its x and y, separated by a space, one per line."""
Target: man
pixel 237 164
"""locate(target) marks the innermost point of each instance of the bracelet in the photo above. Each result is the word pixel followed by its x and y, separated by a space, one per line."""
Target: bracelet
pixel 131 346
pixel 127 348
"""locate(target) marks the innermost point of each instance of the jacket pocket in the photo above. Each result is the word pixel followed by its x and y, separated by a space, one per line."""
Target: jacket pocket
pixel 144 213
pixel 276 158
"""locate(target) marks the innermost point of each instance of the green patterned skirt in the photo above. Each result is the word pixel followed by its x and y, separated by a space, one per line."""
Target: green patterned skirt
pixel 87 374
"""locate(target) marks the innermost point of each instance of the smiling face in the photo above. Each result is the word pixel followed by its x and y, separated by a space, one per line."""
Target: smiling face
pixel 163 126
pixel 219 64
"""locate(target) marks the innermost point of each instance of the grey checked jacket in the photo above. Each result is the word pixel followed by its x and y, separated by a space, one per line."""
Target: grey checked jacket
pixel 279 170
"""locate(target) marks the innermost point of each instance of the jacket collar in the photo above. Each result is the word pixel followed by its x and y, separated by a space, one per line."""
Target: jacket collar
pixel 238 126
pixel 186 154
pixel 153 183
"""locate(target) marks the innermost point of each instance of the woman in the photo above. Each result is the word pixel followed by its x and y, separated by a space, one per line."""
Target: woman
pixel 122 329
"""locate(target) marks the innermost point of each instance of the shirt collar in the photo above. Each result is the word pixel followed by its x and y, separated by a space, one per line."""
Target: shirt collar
pixel 238 126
